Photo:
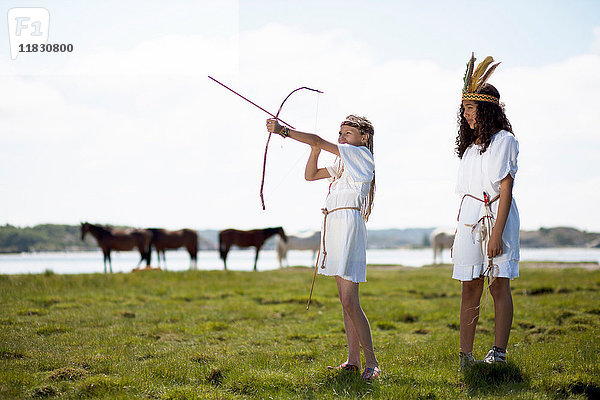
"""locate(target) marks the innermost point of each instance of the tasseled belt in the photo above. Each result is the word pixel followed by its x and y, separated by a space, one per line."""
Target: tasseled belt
pixel 484 229
pixel 476 198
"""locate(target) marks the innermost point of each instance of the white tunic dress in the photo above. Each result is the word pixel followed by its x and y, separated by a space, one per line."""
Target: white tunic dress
pixel 346 233
pixel 480 173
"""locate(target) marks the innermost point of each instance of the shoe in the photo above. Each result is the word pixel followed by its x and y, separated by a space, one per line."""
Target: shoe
pixel 495 356
pixel 344 367
pixel 370 374
pixel 465 360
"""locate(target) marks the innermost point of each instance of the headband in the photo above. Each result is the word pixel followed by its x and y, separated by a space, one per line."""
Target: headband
pixel 361 123
pixel 475 80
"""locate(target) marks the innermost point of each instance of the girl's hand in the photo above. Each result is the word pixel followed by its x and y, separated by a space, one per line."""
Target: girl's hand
pixel 494 245
pixel 273 126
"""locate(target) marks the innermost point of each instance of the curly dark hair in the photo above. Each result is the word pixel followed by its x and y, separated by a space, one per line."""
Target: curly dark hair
pixel 490 119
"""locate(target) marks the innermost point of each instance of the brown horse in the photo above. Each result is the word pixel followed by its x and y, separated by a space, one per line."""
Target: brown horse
pixel 254 238
pixel 109 238
pixel 163 239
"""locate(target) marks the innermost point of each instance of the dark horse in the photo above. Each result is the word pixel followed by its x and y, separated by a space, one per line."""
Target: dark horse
pixel 163 239
pixel 109 238
pixel 255 238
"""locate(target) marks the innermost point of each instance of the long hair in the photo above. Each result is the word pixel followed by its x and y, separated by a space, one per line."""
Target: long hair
pixel 365 127
pixel 489 119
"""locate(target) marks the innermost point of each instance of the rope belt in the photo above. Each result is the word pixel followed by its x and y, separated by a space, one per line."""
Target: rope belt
pixel 476 198
pixel 325 214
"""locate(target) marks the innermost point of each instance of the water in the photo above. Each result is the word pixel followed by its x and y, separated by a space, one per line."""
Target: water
pixel 243 260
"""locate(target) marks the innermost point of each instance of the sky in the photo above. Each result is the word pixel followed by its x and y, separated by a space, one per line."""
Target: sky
pixel 127 129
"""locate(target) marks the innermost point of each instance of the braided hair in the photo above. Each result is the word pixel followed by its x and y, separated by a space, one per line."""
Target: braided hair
pixel 365 127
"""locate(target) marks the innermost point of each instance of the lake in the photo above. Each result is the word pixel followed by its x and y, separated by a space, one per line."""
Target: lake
pixel 243 260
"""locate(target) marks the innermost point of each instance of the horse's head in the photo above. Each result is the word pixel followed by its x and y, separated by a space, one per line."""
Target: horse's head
pixel 85 228
pixel 281 233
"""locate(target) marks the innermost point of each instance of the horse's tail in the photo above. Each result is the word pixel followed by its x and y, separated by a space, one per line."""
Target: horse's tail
pixel 194 245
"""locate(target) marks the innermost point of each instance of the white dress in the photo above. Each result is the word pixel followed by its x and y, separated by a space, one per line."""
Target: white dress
pixel 346 233
pixel 480 173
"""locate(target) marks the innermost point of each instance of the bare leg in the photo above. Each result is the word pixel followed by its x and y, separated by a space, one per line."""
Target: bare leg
pixel 351 305
pixel 469 312
pixel 503 311
pixel 351 337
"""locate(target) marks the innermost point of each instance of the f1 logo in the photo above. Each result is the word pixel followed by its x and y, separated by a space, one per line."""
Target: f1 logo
pixel 27 26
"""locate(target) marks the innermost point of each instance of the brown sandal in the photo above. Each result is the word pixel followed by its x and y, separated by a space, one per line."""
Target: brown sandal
pixel 344 367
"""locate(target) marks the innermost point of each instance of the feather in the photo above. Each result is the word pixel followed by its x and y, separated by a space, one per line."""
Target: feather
pixel 469 72
pixel 485 77
pixel 479 71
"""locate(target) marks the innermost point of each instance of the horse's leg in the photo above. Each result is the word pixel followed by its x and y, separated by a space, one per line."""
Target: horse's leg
pixel 157 256
pixel 141 258
pixel 279 254
pixel 223 250
pixel 148 254
pixel 193 250
pixel 193 258
pixel 109 261
pixel 164 258
pixel 256 257
pixel 191 253
pixel 104 256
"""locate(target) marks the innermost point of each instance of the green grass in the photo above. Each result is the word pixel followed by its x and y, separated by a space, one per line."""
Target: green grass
pixel 247 335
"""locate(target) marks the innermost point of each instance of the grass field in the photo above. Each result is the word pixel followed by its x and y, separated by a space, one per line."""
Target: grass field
pixel 236 335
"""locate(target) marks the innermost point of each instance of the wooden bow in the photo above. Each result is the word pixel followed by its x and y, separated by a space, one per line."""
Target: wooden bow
pixel 276 116
pixel 262 182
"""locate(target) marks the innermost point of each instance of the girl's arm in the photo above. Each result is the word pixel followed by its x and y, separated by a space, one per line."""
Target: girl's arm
pixel 495 244
pixel 311 139
pixel 312 172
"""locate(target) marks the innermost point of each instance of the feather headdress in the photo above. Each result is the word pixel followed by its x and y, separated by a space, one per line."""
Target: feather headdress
pixel 475 79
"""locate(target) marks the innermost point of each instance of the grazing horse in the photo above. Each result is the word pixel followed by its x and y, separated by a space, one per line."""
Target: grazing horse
pixel 310 241
pixel 254 238
pixel 441 239
pixel 163 239
pixel 109 238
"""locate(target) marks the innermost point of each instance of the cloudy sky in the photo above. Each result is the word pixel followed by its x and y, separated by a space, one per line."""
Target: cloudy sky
pixel 127 129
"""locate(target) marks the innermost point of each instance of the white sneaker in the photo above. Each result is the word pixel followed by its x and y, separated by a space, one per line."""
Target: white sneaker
pixel 494 356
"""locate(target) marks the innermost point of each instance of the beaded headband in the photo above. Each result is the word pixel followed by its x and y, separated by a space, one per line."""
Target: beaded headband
pixel 475 80
pixel 360 123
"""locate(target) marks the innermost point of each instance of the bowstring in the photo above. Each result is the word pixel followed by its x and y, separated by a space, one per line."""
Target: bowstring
pixel 292 168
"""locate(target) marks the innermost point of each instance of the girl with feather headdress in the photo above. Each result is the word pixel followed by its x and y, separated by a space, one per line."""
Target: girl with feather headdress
pixel 487 236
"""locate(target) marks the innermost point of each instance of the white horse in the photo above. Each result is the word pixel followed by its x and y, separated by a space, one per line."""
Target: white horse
pixel 308 241
pixel 441 239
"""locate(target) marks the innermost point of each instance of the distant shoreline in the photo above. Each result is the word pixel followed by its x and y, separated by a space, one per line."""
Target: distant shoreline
pixel 587 265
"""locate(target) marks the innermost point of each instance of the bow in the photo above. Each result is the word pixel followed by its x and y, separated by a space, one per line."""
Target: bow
pixel 276 116
pixel 262 183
